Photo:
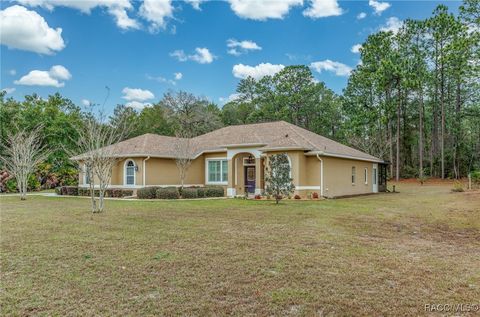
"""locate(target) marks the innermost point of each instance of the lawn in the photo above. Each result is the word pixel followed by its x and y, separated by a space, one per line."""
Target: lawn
pixel 385 254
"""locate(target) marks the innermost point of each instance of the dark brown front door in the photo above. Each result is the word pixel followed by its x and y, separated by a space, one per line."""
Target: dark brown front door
pixel 250 179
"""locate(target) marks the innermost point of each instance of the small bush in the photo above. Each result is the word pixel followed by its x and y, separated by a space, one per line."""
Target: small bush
pixel 190 193
pixel 167 193
pixel 147 193
pixel 297 197
pixel 214 191
pixel 69 190
pixel 457 187
pixel 258 197
pixel 58 190
pixel 11 185
pixel 315 195
pixel 475 175
pixel 201 192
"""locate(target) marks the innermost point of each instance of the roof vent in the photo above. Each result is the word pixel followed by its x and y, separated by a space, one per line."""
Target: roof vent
pixel 286 135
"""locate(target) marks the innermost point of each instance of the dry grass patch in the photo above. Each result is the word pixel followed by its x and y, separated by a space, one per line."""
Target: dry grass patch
pixel 373 255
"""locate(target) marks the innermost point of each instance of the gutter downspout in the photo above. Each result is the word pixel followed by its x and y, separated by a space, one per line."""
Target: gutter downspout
pixel 321 171
pixel 144 173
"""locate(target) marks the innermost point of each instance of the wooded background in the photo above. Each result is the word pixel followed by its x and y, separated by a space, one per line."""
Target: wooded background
pixel 413 100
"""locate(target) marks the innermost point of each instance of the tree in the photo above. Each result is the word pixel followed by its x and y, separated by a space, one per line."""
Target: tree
pixel 278 178
pixel 97 141
pixel 23 152
pixel 183 154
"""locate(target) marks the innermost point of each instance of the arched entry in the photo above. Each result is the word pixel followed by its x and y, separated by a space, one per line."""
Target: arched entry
pixel 246 173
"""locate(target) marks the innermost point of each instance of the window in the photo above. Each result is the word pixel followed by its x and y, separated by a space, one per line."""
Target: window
pixel 86 175
pixel 366 175
pixel 217 171
pixel 130 173
pixel 353 175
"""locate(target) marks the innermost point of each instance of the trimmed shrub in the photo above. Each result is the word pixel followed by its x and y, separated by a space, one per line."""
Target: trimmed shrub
pixel 190 193
pixel 58 190
pixel 315 195
pixel 258 197
pixel 297 197
pixel 214 191
pixel 167 193
pixel 11 185
pixel 69 190
pixel 147 193
pixel 201 192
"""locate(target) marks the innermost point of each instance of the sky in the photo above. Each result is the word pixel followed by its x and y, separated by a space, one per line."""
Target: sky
pixel 142 49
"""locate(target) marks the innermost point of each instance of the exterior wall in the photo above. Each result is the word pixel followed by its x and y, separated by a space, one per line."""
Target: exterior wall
pixel 338 175
pixel 161 171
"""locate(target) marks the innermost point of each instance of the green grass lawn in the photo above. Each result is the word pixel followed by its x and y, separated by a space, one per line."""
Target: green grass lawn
pixel 385 254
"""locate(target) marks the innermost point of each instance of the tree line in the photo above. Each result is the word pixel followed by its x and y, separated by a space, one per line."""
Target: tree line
pixel 412 100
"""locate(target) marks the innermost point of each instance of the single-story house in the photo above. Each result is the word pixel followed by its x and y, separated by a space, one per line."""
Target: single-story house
pixel 235 158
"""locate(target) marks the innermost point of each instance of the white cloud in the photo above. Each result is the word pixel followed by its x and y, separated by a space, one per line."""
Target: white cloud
pixel 257 72
pixel 117 8
pixel 86 102
pixel 26 30
pixel 378 6
pixel 137 94
pixel 195 3
pixel 322 9
pixel 8 90
pixel 230 98
pixel 393 25
pixel 138 105
pixel 178 76
pixel 337 68
pixel 356 48
pixel 361 15
pixel 262 10
pixel 241 47
pixel 53 77
pixel 12 72
pixel 202 56
pixel 156 12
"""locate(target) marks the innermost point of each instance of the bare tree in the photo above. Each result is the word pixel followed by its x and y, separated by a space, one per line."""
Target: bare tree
pixel 97 142
pixel 23 151
pixel 183 154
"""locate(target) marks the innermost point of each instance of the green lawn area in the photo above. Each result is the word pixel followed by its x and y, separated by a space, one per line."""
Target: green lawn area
pixel 385 254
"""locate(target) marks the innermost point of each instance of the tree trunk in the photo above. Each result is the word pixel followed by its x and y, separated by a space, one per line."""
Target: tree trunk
pixel 458 124
pixel 390 139
pixel 442 110
pixel 420 134
pixel 397 159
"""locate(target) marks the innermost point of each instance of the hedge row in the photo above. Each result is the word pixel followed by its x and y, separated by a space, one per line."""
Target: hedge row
pixel 176 193
pixel 75 191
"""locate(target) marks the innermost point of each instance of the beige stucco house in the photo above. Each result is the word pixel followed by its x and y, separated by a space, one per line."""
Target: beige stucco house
pixel 235 157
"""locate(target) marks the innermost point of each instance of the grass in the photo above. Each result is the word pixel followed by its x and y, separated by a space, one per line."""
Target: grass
pixel 373 255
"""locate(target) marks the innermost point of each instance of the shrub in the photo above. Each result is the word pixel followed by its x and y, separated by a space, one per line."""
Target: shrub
pixel 33 184
pixel 167 193
pixel 315 195
pixel 475 175
pixel 214 191
pixel 457 187
pixel 69 190
pixel 190 193
pixel 11 185
pixel 297 197
pixel 201 192
pixel 147 193
pixel 258 197
pixel 58 190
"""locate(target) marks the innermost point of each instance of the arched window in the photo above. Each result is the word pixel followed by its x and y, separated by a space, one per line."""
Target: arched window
pixel 130 172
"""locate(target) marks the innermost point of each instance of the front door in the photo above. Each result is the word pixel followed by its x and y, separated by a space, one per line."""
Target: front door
pixel 250 179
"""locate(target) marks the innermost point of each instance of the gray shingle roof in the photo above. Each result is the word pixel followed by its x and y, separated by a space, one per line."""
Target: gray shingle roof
pixel 267 136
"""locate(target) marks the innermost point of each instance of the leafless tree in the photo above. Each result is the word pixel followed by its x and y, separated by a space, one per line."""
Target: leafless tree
pixel 23 151
pixel 96 141
pixel 183 154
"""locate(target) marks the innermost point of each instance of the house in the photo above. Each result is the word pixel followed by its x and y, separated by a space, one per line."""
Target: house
pixel 235 157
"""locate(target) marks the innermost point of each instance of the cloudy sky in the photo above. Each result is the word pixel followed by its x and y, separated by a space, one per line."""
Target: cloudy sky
pixel 141 49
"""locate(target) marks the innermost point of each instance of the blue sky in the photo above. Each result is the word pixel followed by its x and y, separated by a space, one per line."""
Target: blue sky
pixel 142 49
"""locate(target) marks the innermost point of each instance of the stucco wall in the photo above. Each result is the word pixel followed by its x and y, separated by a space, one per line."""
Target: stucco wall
pixel 338 175
pixel 160 171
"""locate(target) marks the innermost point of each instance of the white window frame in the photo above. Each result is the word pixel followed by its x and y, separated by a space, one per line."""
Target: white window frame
pixel 85 175
pixel 125 173
pixel 366 176
pixel 207 174
pixel 354 175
